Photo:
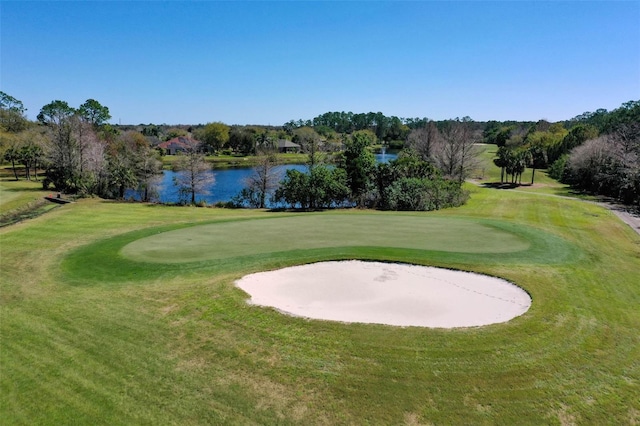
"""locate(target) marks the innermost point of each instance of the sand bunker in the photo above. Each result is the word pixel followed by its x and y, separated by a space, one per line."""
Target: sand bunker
pixel 387 293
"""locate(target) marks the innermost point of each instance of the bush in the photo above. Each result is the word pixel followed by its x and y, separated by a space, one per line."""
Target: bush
pixel 323 187
pixel 395 145
pixel 556 170
pixel 248 196
pixel 415 194
pixel 233 204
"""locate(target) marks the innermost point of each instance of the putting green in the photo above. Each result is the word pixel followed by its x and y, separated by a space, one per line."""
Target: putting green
pixel 241 238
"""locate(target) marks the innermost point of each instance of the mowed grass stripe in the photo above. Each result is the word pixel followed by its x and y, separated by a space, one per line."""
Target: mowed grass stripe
pixel 177 344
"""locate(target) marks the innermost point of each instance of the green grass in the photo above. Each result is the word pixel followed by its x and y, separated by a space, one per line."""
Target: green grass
pixel 22 199
pixel 90 336
pixel 241 238
pixel 488 173
pixel 227 161
pixel 16 195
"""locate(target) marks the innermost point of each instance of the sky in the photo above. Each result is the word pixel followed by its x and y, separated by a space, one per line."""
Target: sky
pixel 260 62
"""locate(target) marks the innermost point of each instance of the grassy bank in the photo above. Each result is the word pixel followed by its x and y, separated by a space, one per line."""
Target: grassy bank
pixel 21 199
pixel 89 335
pixel 229 161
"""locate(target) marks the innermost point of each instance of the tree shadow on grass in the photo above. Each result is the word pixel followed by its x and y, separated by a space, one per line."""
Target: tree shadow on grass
pixel 503 185
pixel 22 189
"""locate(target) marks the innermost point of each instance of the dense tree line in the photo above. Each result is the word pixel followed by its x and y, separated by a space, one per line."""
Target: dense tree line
pixel 407 183
pixel 608 164
pixel 79 152
pixel 596 152
pixel 386 128
pixel 216 137
pixel 21 143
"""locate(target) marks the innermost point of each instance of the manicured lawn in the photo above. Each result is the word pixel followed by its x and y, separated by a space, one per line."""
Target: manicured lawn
pixel 226 161
pixel 14 194
pixel 488 173
pixel 303 232
pixel 22 199
pixel 89 335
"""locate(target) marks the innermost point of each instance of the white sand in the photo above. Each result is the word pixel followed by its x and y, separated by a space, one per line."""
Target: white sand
pixel 387 293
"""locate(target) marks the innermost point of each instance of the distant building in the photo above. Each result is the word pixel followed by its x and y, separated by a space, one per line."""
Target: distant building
pixel 287 146
pixel 179 144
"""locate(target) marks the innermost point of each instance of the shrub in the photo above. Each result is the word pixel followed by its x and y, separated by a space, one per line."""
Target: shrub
pixel 557 169
pixel 322 187
pixel 424 194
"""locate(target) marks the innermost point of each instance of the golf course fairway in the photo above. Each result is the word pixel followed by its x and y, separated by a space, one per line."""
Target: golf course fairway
pixel 122 313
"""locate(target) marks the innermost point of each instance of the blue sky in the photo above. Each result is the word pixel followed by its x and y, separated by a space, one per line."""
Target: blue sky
pixel 269 62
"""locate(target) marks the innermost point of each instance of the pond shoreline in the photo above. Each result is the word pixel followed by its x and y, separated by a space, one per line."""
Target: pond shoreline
pixel 228 181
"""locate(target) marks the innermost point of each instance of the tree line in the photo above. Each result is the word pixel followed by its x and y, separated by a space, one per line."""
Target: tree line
pixel 609 163
pixel 81 153
pixel 596 152
pixel 427 175
pixel 78 150
pixel 386 128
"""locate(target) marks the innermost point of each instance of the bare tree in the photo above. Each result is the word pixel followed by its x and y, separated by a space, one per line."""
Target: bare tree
pixel 148 172
pixel 587 162
pixel 264 180
pixel 455 152
pixel 311 143
pixel 92 162
pixel 608 165
pixel 423 141
pixel 194 174
pixel 626 140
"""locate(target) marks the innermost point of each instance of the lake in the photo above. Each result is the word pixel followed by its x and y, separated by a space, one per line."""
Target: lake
pixel 228 183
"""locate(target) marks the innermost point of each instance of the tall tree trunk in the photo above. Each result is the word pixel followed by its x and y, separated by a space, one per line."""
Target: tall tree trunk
pixel 13 165
pixel 193 184
pixel 263 192
pixel 533 175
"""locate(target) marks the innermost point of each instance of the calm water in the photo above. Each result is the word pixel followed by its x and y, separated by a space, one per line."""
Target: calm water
pixel 228 183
